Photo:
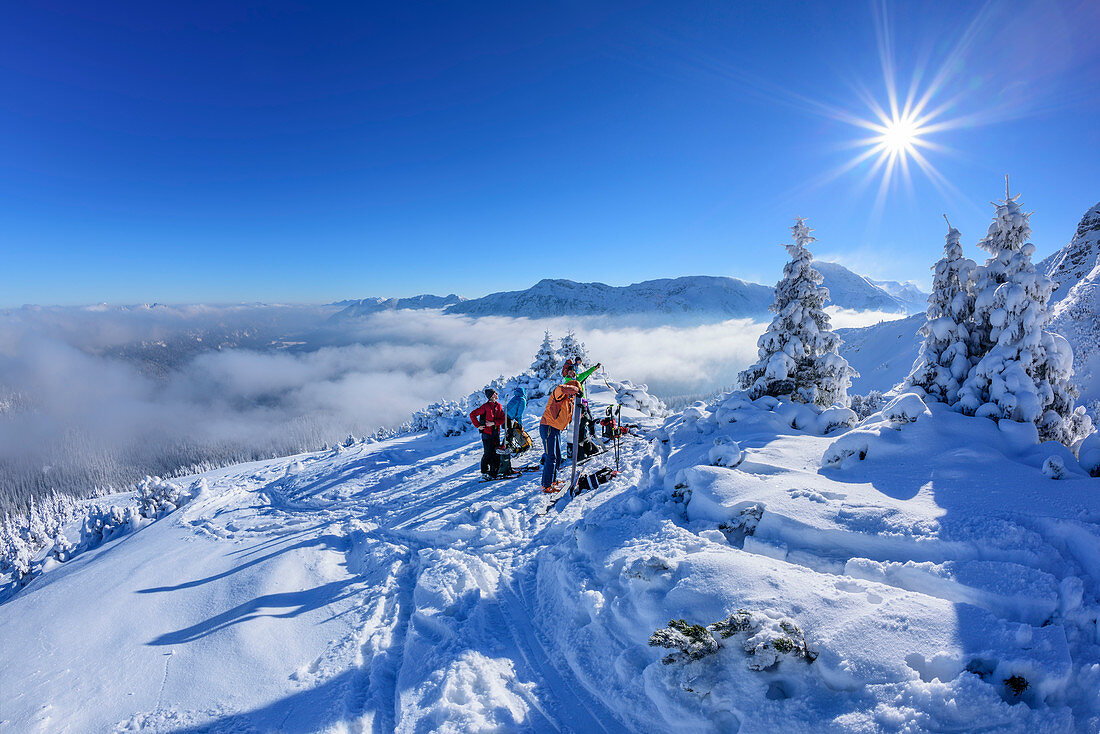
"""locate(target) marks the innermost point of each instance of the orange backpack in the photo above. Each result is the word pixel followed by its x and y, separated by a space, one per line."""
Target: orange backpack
pixel 559 409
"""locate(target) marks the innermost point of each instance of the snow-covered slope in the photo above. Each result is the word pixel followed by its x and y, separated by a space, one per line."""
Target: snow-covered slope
pixel 852 291
pixel 883 353
pixel 1077 259
pixel 919 573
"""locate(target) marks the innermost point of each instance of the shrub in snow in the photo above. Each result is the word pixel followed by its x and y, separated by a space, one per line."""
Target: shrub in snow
pixel 1024 371
pixel 688 641
pixel 1054 467
pixel 572 348
pixel 157 497
pixel 744 525
pixel 849 445
pixel 834 418
pixel 546 364
pixel 101 524
pixel 1088 453
pixel 944 359
pixel 725 452
pixel 15 554
pixel 798 353
pixel 905 408
pixel 629 395
pixel 766 640
pixel 865 405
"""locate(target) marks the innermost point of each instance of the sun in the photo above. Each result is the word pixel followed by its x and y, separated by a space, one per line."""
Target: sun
pixel 900 136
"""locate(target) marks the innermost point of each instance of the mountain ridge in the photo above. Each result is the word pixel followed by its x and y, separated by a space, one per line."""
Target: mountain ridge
pixel 693 297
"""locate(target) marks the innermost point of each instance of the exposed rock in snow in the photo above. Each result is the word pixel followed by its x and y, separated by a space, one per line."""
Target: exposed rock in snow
pixel 1077 259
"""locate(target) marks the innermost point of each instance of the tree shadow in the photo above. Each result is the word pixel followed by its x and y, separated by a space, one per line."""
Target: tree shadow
pixel 294 602
pixel 325 542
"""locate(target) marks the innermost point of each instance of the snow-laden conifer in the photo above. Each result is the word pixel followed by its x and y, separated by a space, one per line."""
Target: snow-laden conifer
pixel 798 353
pixel 944 358
pixel 572 348
pixel 1024 371
pixel 546 361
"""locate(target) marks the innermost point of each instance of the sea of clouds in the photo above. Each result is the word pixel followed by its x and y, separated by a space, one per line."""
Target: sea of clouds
pixel 103 395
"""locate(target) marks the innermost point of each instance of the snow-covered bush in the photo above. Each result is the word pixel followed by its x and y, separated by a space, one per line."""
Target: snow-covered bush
pixel 798 353
pixel 157 497
pixel 687 641
pixel 854 444
pixel 103 523
pixel 725 452
pixel 637 397
pixel 1088 453
pixel 865 405
pixel 1054 467
pixel 767 640
pixel 1023 373
pixel 452 417
pixel 905 408
pixel 944 358
pixel 15 554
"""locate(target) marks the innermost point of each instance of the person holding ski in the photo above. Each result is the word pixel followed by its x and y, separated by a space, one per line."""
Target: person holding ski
pixel 569 372
pixel 488 419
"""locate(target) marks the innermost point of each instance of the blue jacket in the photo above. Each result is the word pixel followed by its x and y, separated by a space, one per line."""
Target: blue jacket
pixel 517 404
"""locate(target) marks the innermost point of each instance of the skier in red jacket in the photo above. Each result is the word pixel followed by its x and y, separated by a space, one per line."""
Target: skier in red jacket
pixel 488 419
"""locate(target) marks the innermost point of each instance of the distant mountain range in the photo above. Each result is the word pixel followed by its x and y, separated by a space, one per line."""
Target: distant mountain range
pixel 695 299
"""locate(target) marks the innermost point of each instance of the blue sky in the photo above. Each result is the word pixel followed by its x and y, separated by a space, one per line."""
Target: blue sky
pixel 228 151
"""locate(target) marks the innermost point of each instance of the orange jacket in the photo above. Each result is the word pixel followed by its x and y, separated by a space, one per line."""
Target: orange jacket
pixel 559 407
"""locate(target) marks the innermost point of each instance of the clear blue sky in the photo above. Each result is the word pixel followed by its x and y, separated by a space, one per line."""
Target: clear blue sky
pixel 228 151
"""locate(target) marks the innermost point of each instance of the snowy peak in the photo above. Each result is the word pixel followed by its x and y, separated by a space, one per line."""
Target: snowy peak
pixel 915 300
pixel 1074 261
pixel 365 306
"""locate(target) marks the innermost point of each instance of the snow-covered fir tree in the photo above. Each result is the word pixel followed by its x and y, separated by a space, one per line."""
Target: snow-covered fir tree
pixel 546 361
pixel 1023 373
pixel 798 353
pixel 572 348
pixel 944 358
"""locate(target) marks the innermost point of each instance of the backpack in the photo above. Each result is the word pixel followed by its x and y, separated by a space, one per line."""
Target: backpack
pixel 518 439
pixel 595 479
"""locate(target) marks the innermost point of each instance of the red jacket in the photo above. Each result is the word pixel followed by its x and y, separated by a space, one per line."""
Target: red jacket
pixel 490 412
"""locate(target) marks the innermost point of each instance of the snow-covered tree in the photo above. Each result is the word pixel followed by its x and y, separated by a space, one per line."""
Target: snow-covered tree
pixel 798 353
pixel 944 359
pixel 546 362
pixel 1024 371
pixel 572 348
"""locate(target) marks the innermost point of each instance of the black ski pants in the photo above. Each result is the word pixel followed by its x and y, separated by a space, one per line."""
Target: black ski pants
pixel 490 460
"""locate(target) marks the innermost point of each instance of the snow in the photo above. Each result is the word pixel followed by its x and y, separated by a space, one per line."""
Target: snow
pixel 382 588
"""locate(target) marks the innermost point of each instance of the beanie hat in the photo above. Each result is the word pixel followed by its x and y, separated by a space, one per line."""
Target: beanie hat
pixel 490 393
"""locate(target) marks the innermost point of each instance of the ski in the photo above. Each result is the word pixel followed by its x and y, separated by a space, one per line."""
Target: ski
pixel 486 480
pixel 577 409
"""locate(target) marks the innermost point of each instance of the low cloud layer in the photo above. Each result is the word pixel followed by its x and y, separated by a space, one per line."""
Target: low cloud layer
pixel 79 404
